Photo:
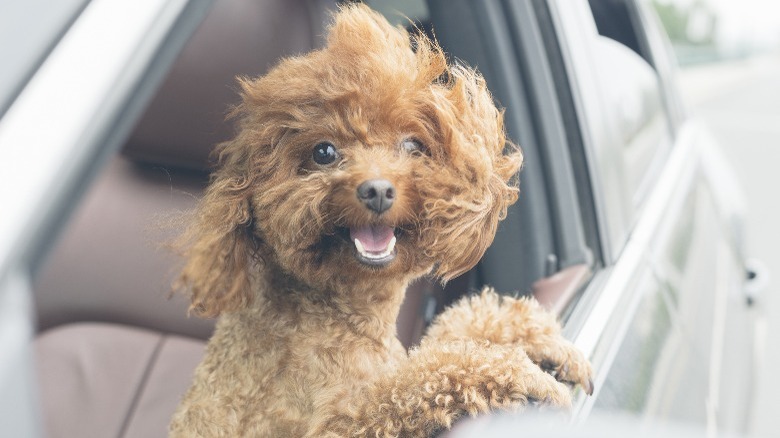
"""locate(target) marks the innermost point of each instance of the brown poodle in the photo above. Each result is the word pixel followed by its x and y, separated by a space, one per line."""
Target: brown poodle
pixel 357 169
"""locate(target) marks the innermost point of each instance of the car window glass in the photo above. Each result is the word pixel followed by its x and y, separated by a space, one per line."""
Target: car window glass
pixel 631 89
pixel 400 12
pixel 634 97
pixel 615 21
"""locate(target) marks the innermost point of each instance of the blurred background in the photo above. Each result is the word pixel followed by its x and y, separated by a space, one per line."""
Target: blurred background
pixel 729 57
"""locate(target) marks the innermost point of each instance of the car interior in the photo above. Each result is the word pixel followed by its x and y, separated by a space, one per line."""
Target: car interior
pixel 115 350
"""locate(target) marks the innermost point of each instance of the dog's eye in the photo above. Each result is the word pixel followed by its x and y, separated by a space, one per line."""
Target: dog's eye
pixel 413 146
pixel 324 153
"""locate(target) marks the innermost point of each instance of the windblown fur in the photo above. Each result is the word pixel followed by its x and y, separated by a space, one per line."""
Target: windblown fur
pixel 305 344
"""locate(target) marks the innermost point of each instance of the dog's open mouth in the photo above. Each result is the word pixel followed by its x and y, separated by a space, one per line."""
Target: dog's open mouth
pixel 374 244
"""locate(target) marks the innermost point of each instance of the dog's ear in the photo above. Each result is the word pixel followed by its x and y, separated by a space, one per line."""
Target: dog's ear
pixel 478 183
pixel 219 245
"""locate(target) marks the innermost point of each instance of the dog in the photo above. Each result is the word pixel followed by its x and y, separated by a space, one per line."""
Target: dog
pixel 355 170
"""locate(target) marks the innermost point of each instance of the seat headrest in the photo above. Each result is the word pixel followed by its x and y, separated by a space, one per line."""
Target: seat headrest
pixel 186 118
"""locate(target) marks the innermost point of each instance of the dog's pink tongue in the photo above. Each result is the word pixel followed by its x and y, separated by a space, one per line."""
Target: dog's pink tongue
pixel 374 238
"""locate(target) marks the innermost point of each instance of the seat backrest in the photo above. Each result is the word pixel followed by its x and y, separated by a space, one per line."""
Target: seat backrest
pixel 109 264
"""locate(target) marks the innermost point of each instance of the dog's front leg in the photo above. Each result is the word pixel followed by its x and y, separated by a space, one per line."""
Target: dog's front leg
pixel 515 321
pixel 442 382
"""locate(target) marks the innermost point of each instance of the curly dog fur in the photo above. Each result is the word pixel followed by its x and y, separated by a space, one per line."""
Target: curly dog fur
pixel 306 341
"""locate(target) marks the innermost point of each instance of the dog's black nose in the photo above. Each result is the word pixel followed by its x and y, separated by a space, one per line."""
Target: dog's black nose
pixel 377 194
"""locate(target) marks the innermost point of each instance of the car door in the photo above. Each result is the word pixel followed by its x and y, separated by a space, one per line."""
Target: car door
pixel 664 315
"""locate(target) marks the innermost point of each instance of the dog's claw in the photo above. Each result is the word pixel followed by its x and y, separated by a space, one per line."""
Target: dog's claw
pixel 588 387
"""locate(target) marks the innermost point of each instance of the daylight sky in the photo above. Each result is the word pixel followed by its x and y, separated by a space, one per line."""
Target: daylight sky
pixel 751 22
pixel 755 21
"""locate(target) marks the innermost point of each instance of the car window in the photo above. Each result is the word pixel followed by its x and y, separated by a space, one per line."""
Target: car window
pixel 622 110
pixel 632 88
pixel 632 91
pixel 400 12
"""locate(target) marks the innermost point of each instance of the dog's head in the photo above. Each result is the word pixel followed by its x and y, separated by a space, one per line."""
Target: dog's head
pixel 369 159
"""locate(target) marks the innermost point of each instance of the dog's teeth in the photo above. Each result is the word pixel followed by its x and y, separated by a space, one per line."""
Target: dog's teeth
pixel 362 251
pixel 360 248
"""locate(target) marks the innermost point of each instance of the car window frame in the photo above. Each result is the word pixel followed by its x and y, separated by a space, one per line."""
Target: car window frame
pixel 58 162
pixel 56 144
pixel 543 233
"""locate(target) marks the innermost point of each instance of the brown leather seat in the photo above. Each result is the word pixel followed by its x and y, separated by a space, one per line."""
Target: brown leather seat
pixel 104 379
pixel 114 353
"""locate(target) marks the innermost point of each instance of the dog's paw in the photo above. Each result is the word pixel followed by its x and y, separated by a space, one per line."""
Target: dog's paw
pixel 563 361
pixel 542 390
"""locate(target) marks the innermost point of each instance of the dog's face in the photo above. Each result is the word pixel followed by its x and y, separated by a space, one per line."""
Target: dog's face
pixel 364 160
